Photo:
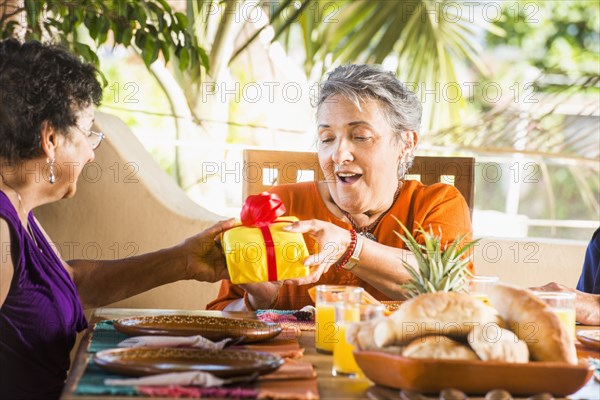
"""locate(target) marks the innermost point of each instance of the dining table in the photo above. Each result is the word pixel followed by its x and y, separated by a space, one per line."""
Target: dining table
pixel 329 386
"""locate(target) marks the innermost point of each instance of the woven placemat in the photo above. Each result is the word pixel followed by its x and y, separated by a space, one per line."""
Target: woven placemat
pixel 289 319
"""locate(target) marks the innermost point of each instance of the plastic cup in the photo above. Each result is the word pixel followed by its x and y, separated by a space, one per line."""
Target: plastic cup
pixel 480 285
pixel 343 360
pixel 563 305
pixel 327 298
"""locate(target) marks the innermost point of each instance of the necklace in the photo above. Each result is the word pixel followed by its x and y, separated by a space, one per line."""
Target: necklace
pixel 367 231
pixel 28 227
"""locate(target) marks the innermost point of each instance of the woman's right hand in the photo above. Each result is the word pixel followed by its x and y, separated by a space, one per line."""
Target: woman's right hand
pixel 333 243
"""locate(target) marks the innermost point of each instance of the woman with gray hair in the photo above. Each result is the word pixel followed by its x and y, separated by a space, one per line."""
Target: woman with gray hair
pixel 368 126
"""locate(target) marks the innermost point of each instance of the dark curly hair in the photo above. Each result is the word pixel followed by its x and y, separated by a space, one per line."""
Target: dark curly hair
pixel 38 83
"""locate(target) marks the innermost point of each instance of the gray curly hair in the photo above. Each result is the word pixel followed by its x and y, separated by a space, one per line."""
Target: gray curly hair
pixel 360 82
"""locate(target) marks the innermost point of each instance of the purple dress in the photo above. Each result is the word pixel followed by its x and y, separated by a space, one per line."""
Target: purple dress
pixel 40 316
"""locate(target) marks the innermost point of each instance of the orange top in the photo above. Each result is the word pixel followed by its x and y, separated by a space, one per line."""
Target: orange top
pixel 438 206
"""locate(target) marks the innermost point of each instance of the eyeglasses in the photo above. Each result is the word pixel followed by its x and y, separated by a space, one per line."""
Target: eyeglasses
pixel 94 138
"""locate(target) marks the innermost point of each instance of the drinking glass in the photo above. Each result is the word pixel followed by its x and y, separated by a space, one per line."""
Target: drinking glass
pixel 480 285
pixel 327 298
pixel 563 305
pixel 345 314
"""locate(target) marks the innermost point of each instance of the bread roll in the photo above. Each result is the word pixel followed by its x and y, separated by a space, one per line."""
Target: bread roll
pixel 439 347
pixel 492 343
pixel 533 322
pixel 448 313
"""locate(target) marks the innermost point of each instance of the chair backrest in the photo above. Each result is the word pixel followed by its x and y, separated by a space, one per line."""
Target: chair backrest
pixel 266 168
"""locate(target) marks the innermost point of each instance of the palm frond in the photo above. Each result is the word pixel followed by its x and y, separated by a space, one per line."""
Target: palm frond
pixel 424 42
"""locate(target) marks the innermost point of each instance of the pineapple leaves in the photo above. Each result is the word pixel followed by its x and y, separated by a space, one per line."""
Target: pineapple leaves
pixel 440 268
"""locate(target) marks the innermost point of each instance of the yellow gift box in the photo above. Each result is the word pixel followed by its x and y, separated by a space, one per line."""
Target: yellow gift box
pixel 263 254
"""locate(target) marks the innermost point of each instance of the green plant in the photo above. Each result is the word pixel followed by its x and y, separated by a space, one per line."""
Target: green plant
pixel 153 27
pixel 441 268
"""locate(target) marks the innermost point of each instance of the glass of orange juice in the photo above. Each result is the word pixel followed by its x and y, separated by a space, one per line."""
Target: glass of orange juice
pixel 563 305
pixel 480 285
pixel 326 299
pixel 345 314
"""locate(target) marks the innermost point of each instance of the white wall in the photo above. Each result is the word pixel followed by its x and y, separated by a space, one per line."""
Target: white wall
pixel 531 262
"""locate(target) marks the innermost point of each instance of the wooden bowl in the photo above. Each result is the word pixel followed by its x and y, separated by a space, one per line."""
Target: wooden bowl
pixel 472 377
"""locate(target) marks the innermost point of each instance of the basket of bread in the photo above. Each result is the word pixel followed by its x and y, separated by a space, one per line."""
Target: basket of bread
pixel 440 340
pixel 443 337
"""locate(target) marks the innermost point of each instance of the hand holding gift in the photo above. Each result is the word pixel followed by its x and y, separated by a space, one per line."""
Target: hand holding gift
pixel 258 249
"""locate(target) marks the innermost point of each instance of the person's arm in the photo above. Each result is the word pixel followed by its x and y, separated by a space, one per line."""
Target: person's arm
pixel 7 268
pixel 102 282
pixel 587 308
pixel 382 267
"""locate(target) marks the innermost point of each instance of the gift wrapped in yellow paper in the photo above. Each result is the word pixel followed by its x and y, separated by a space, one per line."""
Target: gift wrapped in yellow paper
pixel 259 250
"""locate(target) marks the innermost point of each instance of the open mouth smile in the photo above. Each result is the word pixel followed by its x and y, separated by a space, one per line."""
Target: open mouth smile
pixel 348 177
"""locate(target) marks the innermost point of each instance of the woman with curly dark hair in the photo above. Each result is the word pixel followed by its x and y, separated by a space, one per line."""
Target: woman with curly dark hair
pixel 46 115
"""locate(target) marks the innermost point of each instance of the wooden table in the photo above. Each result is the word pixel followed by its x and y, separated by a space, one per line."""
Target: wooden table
pixel 330 387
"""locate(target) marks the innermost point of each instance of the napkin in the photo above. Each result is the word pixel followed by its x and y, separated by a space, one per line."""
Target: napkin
pixel 197 341
pixel 291 369
pixel 285 390
pixel 284 348
pixel 294 380
pixel 190 378
pixel 198 392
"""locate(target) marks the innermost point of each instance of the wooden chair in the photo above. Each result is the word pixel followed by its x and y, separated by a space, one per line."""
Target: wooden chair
pixel 266 168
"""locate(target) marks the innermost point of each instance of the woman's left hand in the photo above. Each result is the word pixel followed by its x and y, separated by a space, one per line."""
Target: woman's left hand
pixel 333 243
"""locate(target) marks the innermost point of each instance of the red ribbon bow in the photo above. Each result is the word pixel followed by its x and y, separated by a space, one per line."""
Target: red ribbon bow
pixel 260 211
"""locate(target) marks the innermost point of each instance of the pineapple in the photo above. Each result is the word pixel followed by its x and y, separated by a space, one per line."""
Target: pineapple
pixel 440 269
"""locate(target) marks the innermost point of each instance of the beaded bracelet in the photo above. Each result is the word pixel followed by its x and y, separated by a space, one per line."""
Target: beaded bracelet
pixel 349 251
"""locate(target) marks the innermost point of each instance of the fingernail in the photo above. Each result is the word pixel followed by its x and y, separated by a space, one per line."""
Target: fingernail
pixel 287 227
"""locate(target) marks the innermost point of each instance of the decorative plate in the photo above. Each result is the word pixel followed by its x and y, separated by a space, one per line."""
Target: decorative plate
pixel 590 338
pixel 472 377
pixel 213 328
pixel 150 361
pixel 391 306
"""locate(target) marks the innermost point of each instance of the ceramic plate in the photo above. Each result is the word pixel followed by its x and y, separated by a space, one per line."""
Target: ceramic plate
pixel 472 377
pixel 590 338
pixel 150 361
pixel 213 328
